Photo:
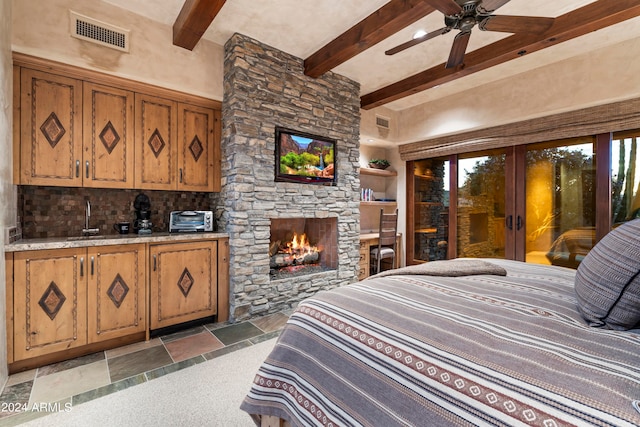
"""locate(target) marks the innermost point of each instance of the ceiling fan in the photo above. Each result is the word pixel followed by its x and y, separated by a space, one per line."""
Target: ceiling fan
pixel 463 15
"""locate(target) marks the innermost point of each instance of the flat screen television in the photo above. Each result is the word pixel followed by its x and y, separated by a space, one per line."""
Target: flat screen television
pixel 304 157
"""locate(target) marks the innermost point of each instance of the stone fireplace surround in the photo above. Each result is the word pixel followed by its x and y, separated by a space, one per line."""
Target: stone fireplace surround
pixel 265 88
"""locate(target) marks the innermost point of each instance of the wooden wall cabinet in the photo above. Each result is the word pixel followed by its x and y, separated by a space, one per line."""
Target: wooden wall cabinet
pixel 108 137
pixel 74 134
pixel 198 148
pixel 51 129
pixel 78 128
pixel 156 143
pixel 177 145
pixel 68 298
pixel 183 282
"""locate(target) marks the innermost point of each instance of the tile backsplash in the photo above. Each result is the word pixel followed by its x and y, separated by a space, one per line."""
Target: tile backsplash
pixel 60 211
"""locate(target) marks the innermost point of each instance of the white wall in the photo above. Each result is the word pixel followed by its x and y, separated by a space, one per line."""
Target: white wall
pixel 41 29
pixel 7 190
pixel 606 75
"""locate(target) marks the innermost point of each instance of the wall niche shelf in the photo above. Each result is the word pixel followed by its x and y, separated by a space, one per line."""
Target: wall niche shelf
pixel 377 172
pixel 377 203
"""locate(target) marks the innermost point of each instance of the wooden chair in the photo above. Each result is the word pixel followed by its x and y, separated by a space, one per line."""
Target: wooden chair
pixel 386 241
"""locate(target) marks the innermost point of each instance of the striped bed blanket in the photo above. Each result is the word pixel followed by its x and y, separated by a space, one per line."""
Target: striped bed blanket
pixel 477 350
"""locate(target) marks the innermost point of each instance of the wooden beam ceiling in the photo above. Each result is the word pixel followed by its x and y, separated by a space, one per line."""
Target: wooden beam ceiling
pixel 592 17
pixel 384 22
pixel 193 20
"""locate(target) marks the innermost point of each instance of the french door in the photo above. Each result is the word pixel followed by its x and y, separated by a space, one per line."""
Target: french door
pixel 546 203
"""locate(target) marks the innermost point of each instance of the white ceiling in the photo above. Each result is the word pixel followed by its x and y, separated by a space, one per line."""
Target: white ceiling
pixel 302 27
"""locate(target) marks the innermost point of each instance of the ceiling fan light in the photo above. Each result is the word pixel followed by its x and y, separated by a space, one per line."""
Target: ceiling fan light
pixel 419 33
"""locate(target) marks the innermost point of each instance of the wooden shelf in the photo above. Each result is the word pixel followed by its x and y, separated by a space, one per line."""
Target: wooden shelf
pixel 377 172
pixel 377 203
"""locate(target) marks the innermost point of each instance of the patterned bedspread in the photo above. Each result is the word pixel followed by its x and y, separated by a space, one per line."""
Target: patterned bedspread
pixel 447 351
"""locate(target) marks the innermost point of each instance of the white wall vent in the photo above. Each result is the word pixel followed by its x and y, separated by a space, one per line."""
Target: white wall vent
pixel 98 32
pixel 383 122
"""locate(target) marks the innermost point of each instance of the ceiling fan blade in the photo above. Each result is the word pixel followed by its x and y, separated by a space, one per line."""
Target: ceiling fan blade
pixel 488 6
pixel 448 7
pixel 416 41
pixel 516 24
pixel 456 56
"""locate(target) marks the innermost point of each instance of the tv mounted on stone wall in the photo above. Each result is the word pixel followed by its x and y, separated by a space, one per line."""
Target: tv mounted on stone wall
pixel 304 157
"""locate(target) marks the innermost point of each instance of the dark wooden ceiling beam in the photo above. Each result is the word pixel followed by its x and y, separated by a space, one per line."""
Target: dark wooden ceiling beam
pixel 592 17
pixel 384 22
pixel 193 20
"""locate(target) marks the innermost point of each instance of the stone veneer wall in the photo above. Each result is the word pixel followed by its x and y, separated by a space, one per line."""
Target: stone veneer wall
pixel 264 88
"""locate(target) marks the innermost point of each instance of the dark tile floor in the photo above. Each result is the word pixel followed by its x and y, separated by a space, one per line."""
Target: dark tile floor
pixel 86 378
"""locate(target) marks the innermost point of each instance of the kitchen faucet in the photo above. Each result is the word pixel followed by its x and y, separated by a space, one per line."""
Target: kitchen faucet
pixel 87 215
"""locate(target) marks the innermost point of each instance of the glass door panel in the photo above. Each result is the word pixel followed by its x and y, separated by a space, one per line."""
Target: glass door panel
pixel 431 209
pixel 560 202
pixel 481 205
pixel 625 177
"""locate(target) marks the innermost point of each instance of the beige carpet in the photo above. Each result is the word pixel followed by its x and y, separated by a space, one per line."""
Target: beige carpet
pixel 207 394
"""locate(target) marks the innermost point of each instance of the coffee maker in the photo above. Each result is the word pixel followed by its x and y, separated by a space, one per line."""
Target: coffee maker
pixel 142 221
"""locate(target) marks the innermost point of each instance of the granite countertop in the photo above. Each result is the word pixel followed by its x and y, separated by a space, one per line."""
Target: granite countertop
pixel 105 240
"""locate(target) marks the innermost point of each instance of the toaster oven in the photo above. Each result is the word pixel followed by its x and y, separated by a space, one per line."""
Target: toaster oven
pixel 190 221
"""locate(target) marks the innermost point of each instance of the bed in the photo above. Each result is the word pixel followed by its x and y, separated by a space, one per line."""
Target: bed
pixel 471 342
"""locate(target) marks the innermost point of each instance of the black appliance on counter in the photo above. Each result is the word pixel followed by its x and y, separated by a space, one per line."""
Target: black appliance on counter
pixel 142 220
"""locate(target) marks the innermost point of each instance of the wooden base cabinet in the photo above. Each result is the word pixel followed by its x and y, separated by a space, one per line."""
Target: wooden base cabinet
pixel 116 292
pixel 68 298
pixel 50 302
pixel 183 282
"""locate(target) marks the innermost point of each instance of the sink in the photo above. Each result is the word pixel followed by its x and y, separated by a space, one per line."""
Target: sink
pixel 73 238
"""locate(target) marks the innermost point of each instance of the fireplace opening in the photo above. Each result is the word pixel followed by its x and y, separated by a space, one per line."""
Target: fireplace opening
pixel 301 246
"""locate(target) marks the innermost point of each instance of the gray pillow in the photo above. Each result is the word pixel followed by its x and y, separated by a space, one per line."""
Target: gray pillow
pixel 608 281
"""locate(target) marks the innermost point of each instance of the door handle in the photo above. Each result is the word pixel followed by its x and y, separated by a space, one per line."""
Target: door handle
pixel 519 223
pixel 87 169
pixel 92 266
pixel 77 168
pixel 81 266
pixel 180 175
pixel 509 222
pixel 155 263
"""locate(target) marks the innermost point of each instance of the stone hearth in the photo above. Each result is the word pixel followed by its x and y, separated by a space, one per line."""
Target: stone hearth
pixel 265 88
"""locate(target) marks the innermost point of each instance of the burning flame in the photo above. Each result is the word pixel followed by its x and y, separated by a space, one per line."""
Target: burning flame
pixel 300 246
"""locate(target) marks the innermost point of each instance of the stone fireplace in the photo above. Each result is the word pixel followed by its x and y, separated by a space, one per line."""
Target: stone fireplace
pixel 265 88
pixel 301 246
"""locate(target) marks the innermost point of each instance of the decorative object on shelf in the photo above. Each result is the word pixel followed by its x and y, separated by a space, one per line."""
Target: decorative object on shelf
pixel 378 163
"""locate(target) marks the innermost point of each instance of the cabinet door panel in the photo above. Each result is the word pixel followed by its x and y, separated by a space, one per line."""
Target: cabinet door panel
pixel 49 302
pixel 195 154
pixel 116 291
pixel 183 282
pixel 156 138
pixel 108 137
pixel 51 121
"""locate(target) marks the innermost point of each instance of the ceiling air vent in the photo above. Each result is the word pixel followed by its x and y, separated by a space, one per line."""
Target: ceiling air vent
pixel 382 122
pixel 98 32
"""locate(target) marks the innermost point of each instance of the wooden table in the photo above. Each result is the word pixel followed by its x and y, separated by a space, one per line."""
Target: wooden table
pixel 369 241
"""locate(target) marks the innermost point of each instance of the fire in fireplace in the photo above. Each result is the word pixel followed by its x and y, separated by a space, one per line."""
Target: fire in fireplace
pixel 302 246
pixel 298 251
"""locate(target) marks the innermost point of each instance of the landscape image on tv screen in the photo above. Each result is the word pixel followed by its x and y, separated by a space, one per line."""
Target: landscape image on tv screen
pixel 303 157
